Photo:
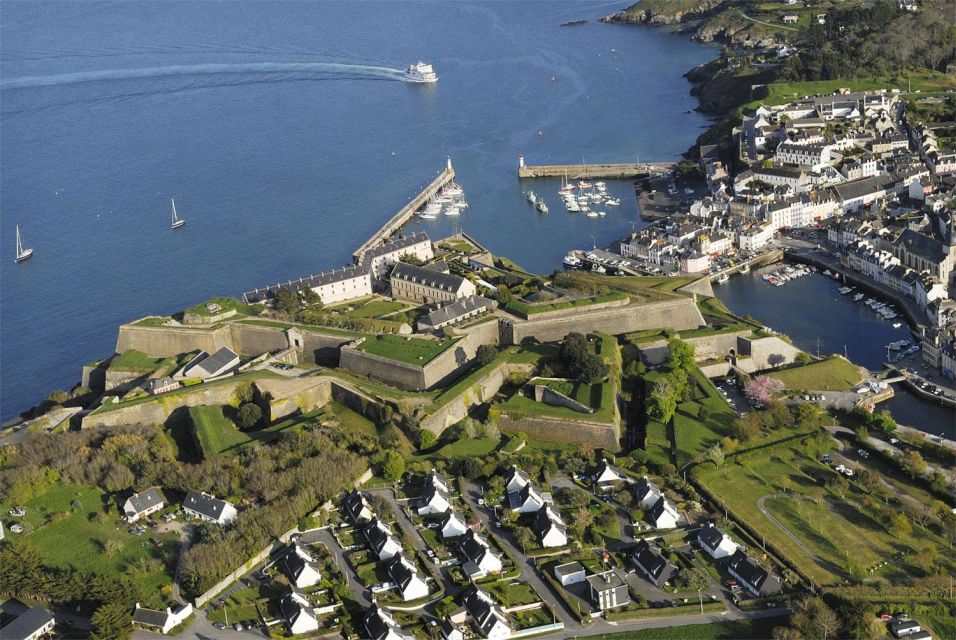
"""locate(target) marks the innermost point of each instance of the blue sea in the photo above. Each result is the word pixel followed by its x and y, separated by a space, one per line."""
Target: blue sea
pixel 285 137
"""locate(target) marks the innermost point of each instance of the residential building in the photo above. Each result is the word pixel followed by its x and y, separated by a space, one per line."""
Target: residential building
pixel 904 628
pixel 298 613
pixel 357 507
pixel 154 620
pixel 663 515
pixel 515 479
pixel 332 287
pixel 814 156
pixel 32 624
pixel 716 543
pixel 405 577
pixel 650 561
pixel 378 624
pixel 550 528
pixel 757 580
pixel 606 473
pixel 646 493
pixel 451 525
pixel 451 631
pixel 455 312
pixel 381 540
pixel 211 366
pixel 570 573
pixel 607 590
pixel 428 284
pixel 434 497
pixel 209 508
pixel 155 386
pixel 489 621
pixel 139 505
pixel 300 567
pixel 527 500
pixel 480 559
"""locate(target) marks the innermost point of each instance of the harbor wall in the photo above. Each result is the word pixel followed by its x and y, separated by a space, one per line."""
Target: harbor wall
pixel 577 171
pixel 680 314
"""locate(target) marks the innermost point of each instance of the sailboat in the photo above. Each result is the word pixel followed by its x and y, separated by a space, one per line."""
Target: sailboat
pixel 22 254
pixel 177 221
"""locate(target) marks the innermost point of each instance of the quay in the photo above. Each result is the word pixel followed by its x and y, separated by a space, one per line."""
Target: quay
pixel 578 171
pixel 405 214
pixel 761 259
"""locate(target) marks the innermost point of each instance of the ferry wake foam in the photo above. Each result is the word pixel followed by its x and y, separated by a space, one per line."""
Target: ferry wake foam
pixel 353 70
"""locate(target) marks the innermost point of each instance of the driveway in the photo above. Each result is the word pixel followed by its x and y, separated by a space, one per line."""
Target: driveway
pixel 324 536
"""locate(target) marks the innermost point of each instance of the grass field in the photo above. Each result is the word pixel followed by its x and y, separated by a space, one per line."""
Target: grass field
pixel 134 360
pixel 511 595
pixel 832 374
pixel 226 304
pixel 829 528
pixel 376 308
pixel 72 535
pixel 657 445
pixel 924 81
pixel 217 435
pixel 476 448
pixel 405 348
pixel 729 630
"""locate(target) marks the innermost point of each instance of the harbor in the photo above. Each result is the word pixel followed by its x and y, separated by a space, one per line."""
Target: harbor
pixel 584 171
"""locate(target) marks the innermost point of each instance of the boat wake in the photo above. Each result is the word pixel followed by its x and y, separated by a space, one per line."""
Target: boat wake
pixel 352 71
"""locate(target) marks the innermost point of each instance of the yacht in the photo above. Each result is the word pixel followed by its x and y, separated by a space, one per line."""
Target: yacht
pixel 613 202
pixel 176 220
pixel 542 207
pixel 532 198
pixel 897 325
pixel 596 268
pixel 22 254
pixel 858 297
pixel 602 213
pixel 584 184
pixel 592 214
pixel 420 72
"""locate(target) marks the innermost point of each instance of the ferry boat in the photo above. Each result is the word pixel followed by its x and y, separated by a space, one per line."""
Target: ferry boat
pixel 571 260
pixel 22 254
pixel 420 72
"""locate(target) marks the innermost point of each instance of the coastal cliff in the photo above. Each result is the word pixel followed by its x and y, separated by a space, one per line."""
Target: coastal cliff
pixel 704 20
pixel 664 12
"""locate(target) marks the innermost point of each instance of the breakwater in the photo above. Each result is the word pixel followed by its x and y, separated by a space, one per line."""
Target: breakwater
pixel 405 214
pixel 578 171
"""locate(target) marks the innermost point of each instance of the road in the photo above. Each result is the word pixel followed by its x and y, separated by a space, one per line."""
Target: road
pixel 324 536
pixel 624 518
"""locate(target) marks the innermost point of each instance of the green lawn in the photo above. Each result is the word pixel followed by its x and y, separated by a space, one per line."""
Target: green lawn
pixel 405 348
pixel 152 321
pixel 832 374
pixel 226 304
pixel 925 81
pixel 76 537
pixel 350 420
pixel 511 595
pixel 524 309
pixel 599 397
pixel 217 434
pixel 376 308
pixel 724 630
pixel 477 448
pixel 133 360
pixel 657 445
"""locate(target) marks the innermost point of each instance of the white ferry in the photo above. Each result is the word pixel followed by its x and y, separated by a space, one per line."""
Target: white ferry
pixel 420 72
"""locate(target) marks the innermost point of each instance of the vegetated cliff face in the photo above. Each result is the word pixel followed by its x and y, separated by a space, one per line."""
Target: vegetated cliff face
pixel 663 12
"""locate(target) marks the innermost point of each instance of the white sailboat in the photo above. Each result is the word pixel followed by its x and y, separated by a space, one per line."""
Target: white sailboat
pixel 22 254
pixel 176 220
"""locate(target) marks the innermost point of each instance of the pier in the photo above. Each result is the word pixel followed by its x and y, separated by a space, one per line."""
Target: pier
pixel 578 171
pixel 405 214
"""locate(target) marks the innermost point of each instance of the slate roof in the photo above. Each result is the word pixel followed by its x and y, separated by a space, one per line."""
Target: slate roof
pixel 862 187
pixel 545 520
pixel 428 277
pixel 375 625
pixel 377 534
pixel 922 245
pixel 396 244
pixel 606 581
pixel 474 547
pixel 569 568
pixel 710 536
pixel 204 504
pixel 522 495
pixel 400 570
pixel 211 364
pixel 26 624
pixel 514 472
pixel 753 574
pixel 354 503
pixel 662 505
pixel 432 487
pixel 146 499
pixel 143 616
pixel 457 309
pixel 652 560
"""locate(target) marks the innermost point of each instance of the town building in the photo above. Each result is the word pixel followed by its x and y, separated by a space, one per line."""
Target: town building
pixel 154 620
pixel 488 620
pixel 570 573
pixel 757 580
pixel 515 479
pixel 646 493
pixel 332 287
pixel 32 624
pixel 716 543
pixel 357 507
pixel 298 613
pixel 456 312
pixel 480 559
pixel 209 508
pixel 377 260
pixel 650 561
pixel 550 528
pixel 428 284
pixel 206 366
pixel 607 590
pixel 405 577
pixel 381 540
pixel 451 525
pixel 663 515
pixel 300 567
pixel 142 504
pixel 378 624
pixel 155 386
pixel 435 498
pixel 527 499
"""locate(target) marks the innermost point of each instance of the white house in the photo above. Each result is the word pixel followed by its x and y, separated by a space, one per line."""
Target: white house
pixel 357 507
pixel 152 619
pixel 516 479
pixel 210 366
pixel 650 560
pixel 209 508
pixel 452 525
pixel 332 287
pixel 434 497
pixel 451 631
pixel 569 573
pixel 488 619
pixel 32 624
pixel 646 493
pixel 378 259
pixel 550 528
pixel 607 590
pixel 298 613
pixel 405 576
pixel 378 624
pixel 757 580
pixel 663 515
pixel 381 540
pixel 606 474
pixel 527 500
pixel 481 560
pixel 139 505
pixel 715 542
pixel 300 567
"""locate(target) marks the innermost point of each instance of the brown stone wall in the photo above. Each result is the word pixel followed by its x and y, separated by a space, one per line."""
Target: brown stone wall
pixel 575 432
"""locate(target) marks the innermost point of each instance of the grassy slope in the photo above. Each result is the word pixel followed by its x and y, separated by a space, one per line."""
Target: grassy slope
pixel 217 434
pixel 832 374
pixel 404 348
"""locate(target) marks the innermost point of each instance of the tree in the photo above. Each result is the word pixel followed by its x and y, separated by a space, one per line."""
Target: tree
pixel 248 416
pixel 680 355
pixel 592 369
pixel 882 421
pixel 394 466
pixel 809 416
pixel 716 455
pixel 662 401
pixel 899 525
pixel 803 358
pixel 426 439
pixel 747 427
pixel 838 485
pixel 581 519
pixel 312 299
pixel 913 463
pixel 287 302
pixel 762 389
pixel 778 416
pixel 111 621
pixel 485 354
pixel 523 538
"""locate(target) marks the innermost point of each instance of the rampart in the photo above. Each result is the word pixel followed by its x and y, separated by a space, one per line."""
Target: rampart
pixel 483 390
pixel 678 314
pixel 574 432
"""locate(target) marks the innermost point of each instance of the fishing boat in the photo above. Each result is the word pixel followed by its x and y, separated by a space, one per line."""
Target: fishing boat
pixel 176 220
pixel 584 184
pixel 745 269
pixel 452 210
pixel 722 278
pixel 613 202
pixel 421 73
pixel 592 214
pixel 532 197
pixel 571 260
pixel 897 325
pixel 542 207
pixel 22 253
